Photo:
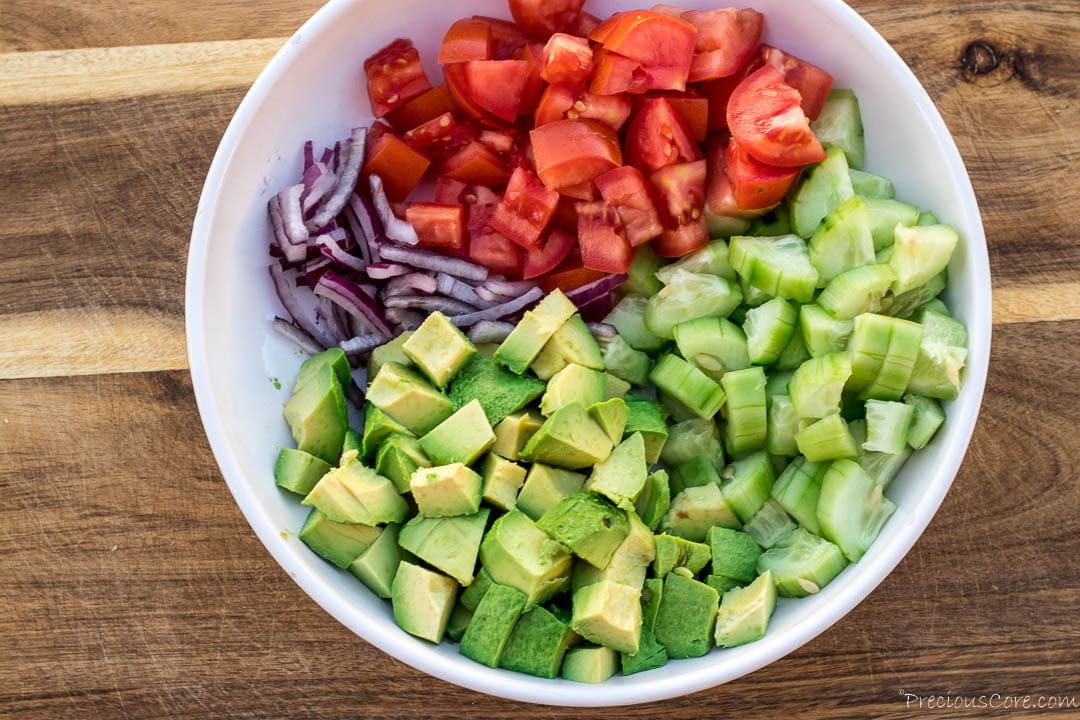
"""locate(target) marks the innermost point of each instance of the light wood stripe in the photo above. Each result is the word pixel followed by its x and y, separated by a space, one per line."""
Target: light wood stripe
pixel 1036 303
pixel 96 74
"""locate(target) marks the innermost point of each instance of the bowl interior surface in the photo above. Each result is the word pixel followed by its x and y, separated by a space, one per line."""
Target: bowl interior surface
pixel 314 89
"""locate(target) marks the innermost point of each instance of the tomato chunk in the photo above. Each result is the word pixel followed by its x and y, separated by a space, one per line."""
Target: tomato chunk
pixel 475 164
pixel 449 190
pixel 438 225
pixel 567 60
pixel 682 190
pixel 525 210
pixel 682 240
pixel 506 37
pixel 719 190
pixel 394 76
pixel 584 24
pixel 719 92
pixel 467 39
pixel 559 103
pixel 661 44
pixel 400 166
pixel 812 82
pixel 545 256
pixel 480 203
pixel 495 252
pixel 626 190
pixel 756 185
pixel 497 86
pixel 659 136
pixel 693 108
pixel 532 53
pixel 437 132
pixel 765 116
pixel 727 38
pixel 582 191
pixel 423 107
pixel 603 247
pixel 570 152
pixel 570 278
pixel 541 18
pixel 614 74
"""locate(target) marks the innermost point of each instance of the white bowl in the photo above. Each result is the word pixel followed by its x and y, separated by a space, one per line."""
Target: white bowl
pixel 313 88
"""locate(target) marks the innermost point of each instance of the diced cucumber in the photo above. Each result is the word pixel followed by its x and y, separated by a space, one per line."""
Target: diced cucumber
pixel 722 226
pixel 777 383
pixel 840 126
pixel 770 525
pixel 935 305
pixel 920 253
pixel 693 438
pixel 748 484
pixel 905 304
pixel 778 266
pixel 821 332
pixel 827 439
pixel 752 297
pixel 927 218
pixel 794 355
pixel 695 472
pixel 773 224
pixel 745 429
pixel 625 362
pixel 710 260
pixel 883 352
pixel 884 215
pixel 827 187
pixel 797 490
pixel 783 423
pixel 688 385
pixel 929 416
pixel 843 241
pixel 628 317
pixel 642 273
pixel 856 291
pixel 817 385
pixel 802 564
pixel 871 186
pixel 941 357
pixel 689 296
pixel 769 329
pixel 887 426
pixel 852 509
pixel 714 345
pixel 881 467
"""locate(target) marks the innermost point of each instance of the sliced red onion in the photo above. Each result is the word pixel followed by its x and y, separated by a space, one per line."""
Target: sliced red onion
pixel 587 293
pixel 365 214
pixel 329 245
pixel 309 154
pixel 292 217
pixel 434 262
pixel 509 288
pixel 327 156
pixel 348 173
pixel 385 271
pixel 286 293
pixel 493 297
pixel 490 331
pixel 357 234
pixel 394 227
pixel 353 299
pixel 337 153
pixel 499 311
pixel 333 318
pixel 451 287
pixel 313 270
pixel 362 344
pixel 598 309
pixel 295 335
pixel 318 181
pixel 406 319
pixel 603 331
pixel 434 303
pixel 412 284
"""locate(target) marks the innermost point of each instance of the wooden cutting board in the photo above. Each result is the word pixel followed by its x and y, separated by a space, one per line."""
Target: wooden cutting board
pixel 130 585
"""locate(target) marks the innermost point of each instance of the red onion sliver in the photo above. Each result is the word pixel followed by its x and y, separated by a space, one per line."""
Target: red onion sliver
pixel 357 233
pixel 286 293
pixel 490 331
pixel 435 303
pixel 332 318
pixel 509 288
pixel 451 287
pixel 434 262
pixel 394 227
pixel 318 181
pixel 385 271
pixel 347 176
pixel 499 311
pixel 330 247
pixel 493 298
pixel 309 154
pixel 411 284
pixel 361 344
pixel 406 319
pixel 295 335
pixel 596 289
pixel 603 331
pixel 353 299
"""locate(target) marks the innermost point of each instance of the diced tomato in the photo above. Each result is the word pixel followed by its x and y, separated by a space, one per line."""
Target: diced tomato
pixel 719 92
pixel 567 60
pixel 475 164
pixel 533 53
pixel 756 185
pixel 495 252
pixel 570 152
pixel 682 190
pixel 570 278
pixel 601 32
pixel 603 247
pixel 583 24
pixel 614 74
pixel 399 166
pixel 559 103
pixel 765 116
pixel 719 191
pixel 480 203
pixel 682 240
pixel 661 44
pixel 812 82
pixel 659 136
pixel 394 76
pixel 668 10
pixel 626 190
pixel 545 256
pixel 449 190
pixel 506 37
pixel 566 214
pixel 585 191
pixel 541 18
pixel 727 38
pixel 438 225
pixel 525 210
pixel 437 132
pixel 467 39
pixel 423 107
pixel 496 86
pixel 693 108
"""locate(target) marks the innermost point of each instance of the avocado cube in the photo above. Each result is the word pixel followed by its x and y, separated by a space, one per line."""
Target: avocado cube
pixel 317 415
pixel 611 415
pixel 334 357
pixel 616 387
pixel 695 510
pixel 621 477
pixel 587 524
pixel 298 471
pixel 377 427
pixel 627 565
pixel 573 384
pixel 693 438
pixel 686 617
pixel 461 438
pixel 734 554
pixel 450 544
pixel 572 343
pixel 447 490
pixel 695 472
pixel 650 655
pixel 674 552
pixel 422 601
pixel 353 493
pixel 499 391
pixel 408 398
pixel 530 335
pixel 459 621
pixel 353 441
pixel 392 351
pixel 537 644
pixel 517 553
pixel 398 458
pixel 647 418
pixel 609 614
pixel 545 486
pixel 745 612
pixel 471 596
pixel 568 439
pixel 377 566
pixel 492 622
pixel 339 543
pixel 654 500
pixel 722 584
pixel 513 432
pixel 502 481
pixel 590 664
pixel 438 348
pixel 651 595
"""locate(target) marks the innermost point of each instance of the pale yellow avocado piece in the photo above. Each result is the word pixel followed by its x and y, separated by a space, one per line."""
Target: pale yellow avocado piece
pixel 621 477
pixel 461 438
pixel 513 432
pixel 502 481
pixel 408 398
pixel 629 563
pixel 695 510
pixel 608 614
pixel 616 387
pixel 517 553
pixel 572 343
pixel 422 601
pixel 446 490
pixel 745 612
pixel 590 664
pixel 390 352
pixel 545 486
pixel 439 348
pixel 573 384
pixel 530 335
pixel 355 494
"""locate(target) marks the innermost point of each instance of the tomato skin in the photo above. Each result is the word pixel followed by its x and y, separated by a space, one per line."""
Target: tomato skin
pixel 532 53
pixel 475 164
pixel 766 118
pixel 568 60
pixel 435 133
pixel 661 44
pixel 394 76
pixel 682 240
pixel 692 107
pixel 626 191
pixel 541 18
pixel 658 136
pixel 449 190
pixel 506 37
pixel 570 152
pixel 583 24
pixel 438 225
pixel 495 252
pixel 423 107
pixel 547 255
pixel 467 39
pixel 614 74
pixel 497 86
pixel 719 190
pixel 812 82
pixel 525 210
pixel 559 103
pixel 566 214
pixel 757 186
pixel 727 38
pixel 682 190
pixel 399 166
pixel 570 278
pixel 603 247
pixel 480 203
pixel 585 191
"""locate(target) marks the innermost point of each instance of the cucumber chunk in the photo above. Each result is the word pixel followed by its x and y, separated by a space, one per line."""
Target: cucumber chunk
pixel 821 332
pixel 779 266
pixel 884 215
pixel 689 296
pixel 797 490
pixel 769 329
pixel 840 126
pixel 852 509
pixel 928 417
pixel 871 186
pixel 783 423
pixel 625 362
pixel 691 387
pixel 827 187
pixel 773 224
pixel 905 304
pixel 710 260
pixel 883 353
pixel 843 241
pixel 794 355
pixel 746 426
pixel 927 218
pixel 770 525
pixel 827 439
pixel 817 385
pixel 887 426
pixel 748 483
pixel 920 253
pixel 628 317
pixel 856 291
pixel 713 345
pixel 941 357
pixel 802 564
pixel 642 273
pixel 693 438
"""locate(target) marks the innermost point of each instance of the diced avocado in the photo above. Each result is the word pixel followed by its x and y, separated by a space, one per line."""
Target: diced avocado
pixel 317 415
pixel 439 349
pixel 651 595
pixel 459 621
pixel 335 358
pixel 390 352
pixel 298 471
pixel 722 583
pixel 513 432
pixel 802 564
pixel 695 472
pixel 408 398
pixel 377 427
pixel 398 458
pixel 471 596
pixel 422 601
pixel 461 438
pixel 693 438
pixel 353 441
pixel 686 619
pixel 616 387
pixel 571 344
pixel 447 490
pixel 650 655
pixel 609 614
pixel 502 481
pixel 621 477
pixel 695 510
pixel 530 335
pixel 545 486
pixel 628 317
pixel 734 554
pixel 377 566
pixel 647 418
pixel 627 363
pixel 654 500
pixel 569 439
pixel 674 552
pixel 748 483
pixel 339 543
pixel 590 664
pixel 587 524
pixel 491 624
pixel 627 565
pixel 611 415
pixel 573 384
pixel 450 544
pixel 744 612
pixel 353 493
pixel 517 553
pixel 537 644
pixel 500 391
